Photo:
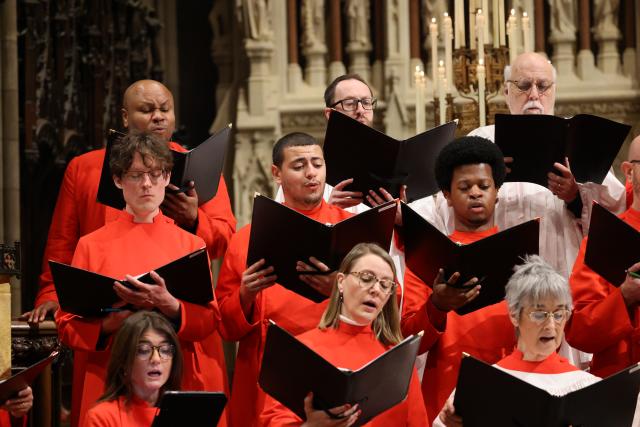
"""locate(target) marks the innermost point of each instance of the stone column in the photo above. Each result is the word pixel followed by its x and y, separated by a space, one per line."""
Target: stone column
pixel 10 160
pixel 294 71
pixel 313 37
pixel 414 35
pixel 259 53
pixel 538 13
pixel 5 330
pixel 377 69
pixel 336 66
pixel 359 45
pixel 629 54
pixel 586 64
pixel 607 35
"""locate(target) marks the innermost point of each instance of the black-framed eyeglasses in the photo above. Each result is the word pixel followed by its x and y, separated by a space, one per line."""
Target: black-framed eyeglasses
pixel 367 280
pixel 541 316
pixel 351 104
pixel 145 351
pixel 138 176
pixel 525 86
pixel 635 161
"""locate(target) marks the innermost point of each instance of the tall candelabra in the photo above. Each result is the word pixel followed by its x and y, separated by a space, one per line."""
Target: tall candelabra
pixel 475 73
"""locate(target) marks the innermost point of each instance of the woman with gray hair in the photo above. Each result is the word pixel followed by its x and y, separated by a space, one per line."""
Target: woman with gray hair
pixel 539 302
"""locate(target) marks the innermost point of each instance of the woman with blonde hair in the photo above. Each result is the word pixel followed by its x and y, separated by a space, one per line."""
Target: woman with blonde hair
pixel 360 323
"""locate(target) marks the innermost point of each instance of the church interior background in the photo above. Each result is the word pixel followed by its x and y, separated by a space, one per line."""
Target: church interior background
pixel 263 65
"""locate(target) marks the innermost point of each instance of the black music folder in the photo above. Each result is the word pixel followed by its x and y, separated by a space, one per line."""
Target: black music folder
pixel 374 160
pixel 491 259
pixel 12 385
pixel 193 408
pixel 612 246
pixel 283 236
pixel 486 395
pixel 290 370
pixel 536 142
pixel 90 294
pixel 202 165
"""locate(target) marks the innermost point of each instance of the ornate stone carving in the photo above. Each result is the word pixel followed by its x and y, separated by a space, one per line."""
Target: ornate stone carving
pixel 255 16
pixel 563 17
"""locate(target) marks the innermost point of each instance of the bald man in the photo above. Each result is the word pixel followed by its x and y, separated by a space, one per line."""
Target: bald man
pixel 147 106
pixel 606 316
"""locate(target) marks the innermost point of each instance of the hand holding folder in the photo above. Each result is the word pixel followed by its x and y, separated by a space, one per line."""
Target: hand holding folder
pixel 536 142
pixel 25 377
pixel 375 160
pixel 90 294
pixel 201 165
pixel 490 260
pixel 290 370
pixel 284 237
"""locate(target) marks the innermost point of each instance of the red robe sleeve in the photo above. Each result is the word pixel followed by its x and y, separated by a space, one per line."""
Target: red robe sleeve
pixel 197 322
pixel 216 222
pixel 64 233
pixel 77 332
pixel 234 324
pixel 419 313
pixel 600 317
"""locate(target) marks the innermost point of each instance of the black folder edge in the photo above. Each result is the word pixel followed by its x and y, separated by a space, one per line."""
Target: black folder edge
pixel 453 246
pixel 320 360
pixel 312 294
pixel 612 267
pixel 24 378
pixel 615 127
pixel 342 119
pixel 110 195
pixel 54 266
pixel 178 400
pixel 472 363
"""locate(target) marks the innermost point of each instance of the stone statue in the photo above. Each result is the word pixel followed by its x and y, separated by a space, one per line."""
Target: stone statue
pixel 255 18
pixel 563 17
pixel 313 34
pixel 432 9
pixel 605 16
pixel 358 15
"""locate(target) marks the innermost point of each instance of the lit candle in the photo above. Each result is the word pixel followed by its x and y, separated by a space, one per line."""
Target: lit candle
pixel 447 36
pixel 459 38
pixel 512 30
pixel 501 21
pixel 481 88
pixel 442 83
pixel 433 32
pixel 480 29
pixel 526 34
pixel 420 113
pixel 496 24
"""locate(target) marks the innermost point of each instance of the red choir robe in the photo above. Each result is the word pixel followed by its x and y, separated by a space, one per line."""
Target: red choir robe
pixel 486 334
pixel 601 323
pixel 628 188
pixel 289 310
pixel 120 413
pixel 78 213
pixel 124 247
pixel 351 347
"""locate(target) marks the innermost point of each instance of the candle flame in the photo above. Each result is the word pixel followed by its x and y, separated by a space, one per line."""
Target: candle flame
pixel 479 11
pixel 481 61
pixel 524 14
pixel 445 14
pixel 513 12
pixel 441 63
pixel 433 20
